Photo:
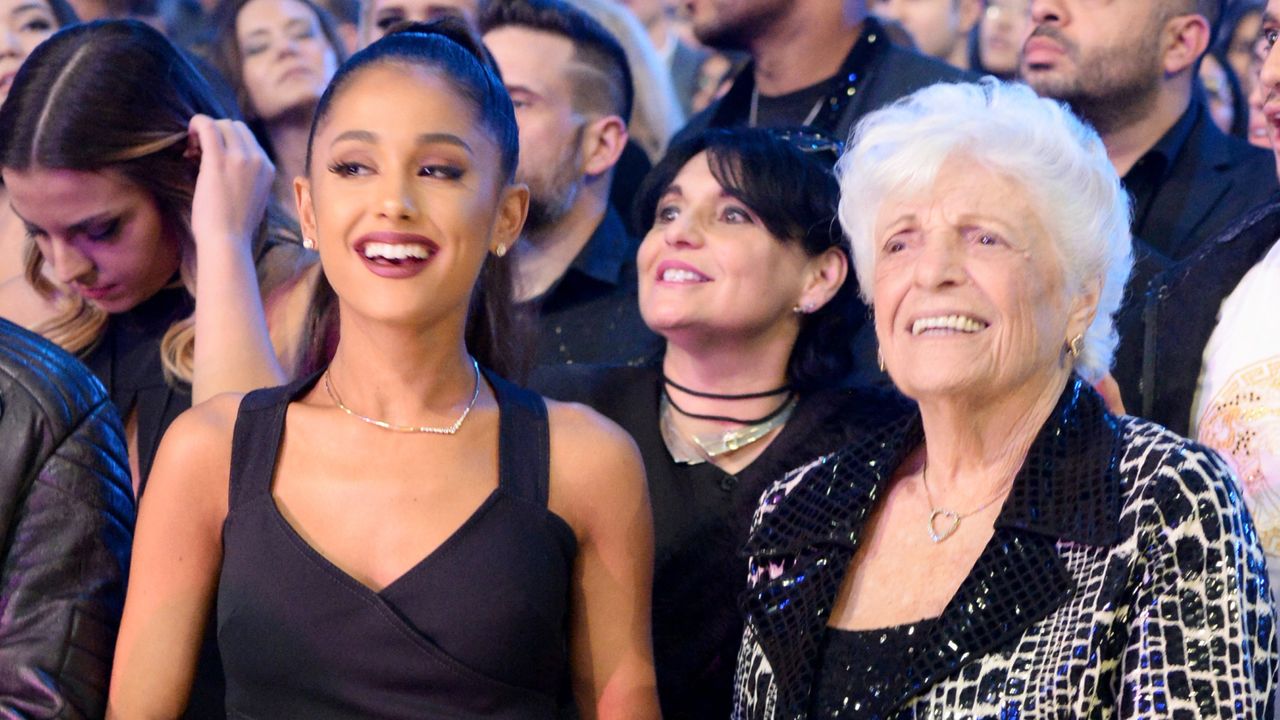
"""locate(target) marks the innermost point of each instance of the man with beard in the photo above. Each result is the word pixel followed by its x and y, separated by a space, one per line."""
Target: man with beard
pixel 1128 67
pixel 575 266
pixel 817 63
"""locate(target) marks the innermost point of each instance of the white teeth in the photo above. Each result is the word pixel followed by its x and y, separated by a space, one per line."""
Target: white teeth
pixel 678 275
pixel 958 323
pixel 396 251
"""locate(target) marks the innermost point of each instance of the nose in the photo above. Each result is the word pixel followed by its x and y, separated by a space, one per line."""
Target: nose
pixel 683 231
pixel 940 263
pixel 1044 12
pixel 9 46
pixel 69 264
pixel 397 203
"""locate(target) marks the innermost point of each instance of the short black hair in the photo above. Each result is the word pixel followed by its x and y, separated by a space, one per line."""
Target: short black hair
pixel 796 196
pixel 611 90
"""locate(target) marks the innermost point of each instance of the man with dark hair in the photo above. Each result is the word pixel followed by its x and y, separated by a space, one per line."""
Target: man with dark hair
pixel 575 267
pixel 819 63
pixel 66 527
pixel 1129 69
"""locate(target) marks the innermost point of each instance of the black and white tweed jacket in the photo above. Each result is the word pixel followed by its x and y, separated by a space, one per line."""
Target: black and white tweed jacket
pixel 1124 580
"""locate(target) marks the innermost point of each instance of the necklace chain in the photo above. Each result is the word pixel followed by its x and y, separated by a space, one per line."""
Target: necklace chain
pixel 446 430
pixel 950 517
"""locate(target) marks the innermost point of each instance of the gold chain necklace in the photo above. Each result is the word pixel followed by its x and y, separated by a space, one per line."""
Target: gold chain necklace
pixel 447 430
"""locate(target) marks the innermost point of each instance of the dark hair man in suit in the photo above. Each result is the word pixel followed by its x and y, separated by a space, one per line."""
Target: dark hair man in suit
pixel 1129 69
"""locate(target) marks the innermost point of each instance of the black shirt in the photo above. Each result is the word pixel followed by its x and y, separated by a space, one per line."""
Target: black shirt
pixel 591 314
pixel 875 73
pixel 701 517
pixel 1149 173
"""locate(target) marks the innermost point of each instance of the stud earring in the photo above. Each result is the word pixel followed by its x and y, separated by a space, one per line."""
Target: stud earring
pixel 880 359
pixel 803 309
pixel 501 250
pixel 308 243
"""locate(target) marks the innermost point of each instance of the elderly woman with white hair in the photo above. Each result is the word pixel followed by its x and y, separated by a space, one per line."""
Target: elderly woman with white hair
pixel 1013 549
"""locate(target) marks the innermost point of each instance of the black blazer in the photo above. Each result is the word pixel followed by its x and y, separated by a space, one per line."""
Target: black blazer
pixel 1124 574
pixel 1213 182
pixel 1181 312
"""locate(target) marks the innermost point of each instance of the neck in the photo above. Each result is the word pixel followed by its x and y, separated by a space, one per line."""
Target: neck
pixel 784 57
pixel 975 445
pixel 545 254
pixel 401 374
pixel 729 367
pixel 959 55
pixel 289 144
pixel 1127 142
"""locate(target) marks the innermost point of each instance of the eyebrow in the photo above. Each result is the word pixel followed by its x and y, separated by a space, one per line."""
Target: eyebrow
pixel 74 228
pixel 30 6
pixel 1268 17
pixel 366 136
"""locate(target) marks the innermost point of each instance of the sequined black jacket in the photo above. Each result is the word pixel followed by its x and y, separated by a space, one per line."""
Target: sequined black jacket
pixel 66 525
pixel 1124 579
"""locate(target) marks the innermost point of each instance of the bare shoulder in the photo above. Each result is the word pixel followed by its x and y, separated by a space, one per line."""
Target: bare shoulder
pixel 194 460
pixel 595 465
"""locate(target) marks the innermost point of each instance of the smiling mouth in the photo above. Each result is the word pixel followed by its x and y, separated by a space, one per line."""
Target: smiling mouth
pixel 947 325
pixel 396 254
pixel 681 275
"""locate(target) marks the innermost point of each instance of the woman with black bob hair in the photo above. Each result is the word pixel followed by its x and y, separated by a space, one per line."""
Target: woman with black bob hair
pixel 743 271
pixel 404 535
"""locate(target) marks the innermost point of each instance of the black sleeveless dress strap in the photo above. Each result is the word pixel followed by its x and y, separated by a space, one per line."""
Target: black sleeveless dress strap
pixel 524 455
pixel 477 629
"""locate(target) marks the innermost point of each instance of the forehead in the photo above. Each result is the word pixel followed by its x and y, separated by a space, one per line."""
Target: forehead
pixel 527 56
pixel 256 12
pixel 427 7
pixel 52 198
pixel 393 98
pixel 963 187
pixel 13 7
pixel 695 177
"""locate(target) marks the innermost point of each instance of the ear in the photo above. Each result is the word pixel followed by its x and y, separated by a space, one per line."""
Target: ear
pixel 1084 308
pixel 825 275
pixel 306 208
pixel 513 205
pixel 969 13
pixel 603 140
pixel 1186 37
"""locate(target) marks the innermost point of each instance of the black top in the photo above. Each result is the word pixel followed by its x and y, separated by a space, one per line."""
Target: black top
pixel 701 516
pixel 856 667
pixel 127 361
pixel 477 629
pixel 591 314
pixel 876 72
pixel 1195 183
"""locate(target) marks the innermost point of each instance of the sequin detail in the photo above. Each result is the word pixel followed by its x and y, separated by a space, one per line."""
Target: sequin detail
pixel 857 667
pixel 1124 579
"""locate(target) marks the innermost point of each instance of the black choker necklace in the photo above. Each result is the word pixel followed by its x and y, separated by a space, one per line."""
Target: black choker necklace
pixel 714 396
pixel 724 418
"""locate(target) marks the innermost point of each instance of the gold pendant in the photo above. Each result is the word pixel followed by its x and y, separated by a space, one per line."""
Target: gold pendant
pixel 948 529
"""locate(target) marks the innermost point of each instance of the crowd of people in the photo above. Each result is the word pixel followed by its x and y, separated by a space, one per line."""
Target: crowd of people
pixel 565 359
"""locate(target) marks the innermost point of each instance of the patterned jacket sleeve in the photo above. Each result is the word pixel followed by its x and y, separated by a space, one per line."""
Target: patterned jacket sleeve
pixel 67 530
pixel 1201 639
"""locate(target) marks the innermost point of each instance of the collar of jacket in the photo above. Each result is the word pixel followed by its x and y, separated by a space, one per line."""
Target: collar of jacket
pixel 1069 488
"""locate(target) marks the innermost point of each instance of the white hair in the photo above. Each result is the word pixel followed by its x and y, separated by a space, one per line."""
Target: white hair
pixel 1059 161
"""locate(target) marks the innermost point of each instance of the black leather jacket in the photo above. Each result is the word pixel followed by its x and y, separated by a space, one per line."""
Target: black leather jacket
pixel 66 527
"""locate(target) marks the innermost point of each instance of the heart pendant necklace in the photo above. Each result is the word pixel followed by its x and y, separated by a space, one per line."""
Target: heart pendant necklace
pixel 943 522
